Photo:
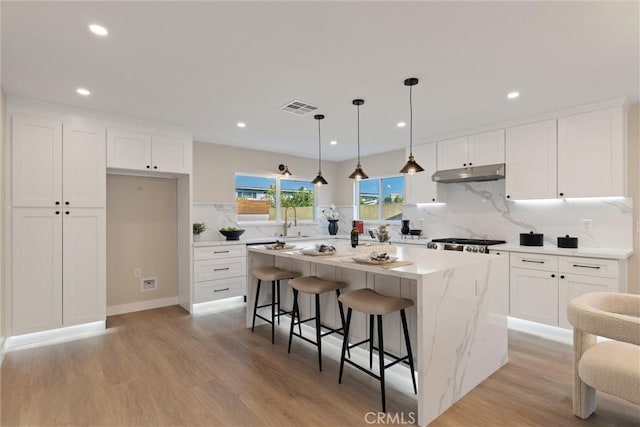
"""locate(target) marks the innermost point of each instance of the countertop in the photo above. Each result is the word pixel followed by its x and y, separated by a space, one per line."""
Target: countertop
pixel 554 250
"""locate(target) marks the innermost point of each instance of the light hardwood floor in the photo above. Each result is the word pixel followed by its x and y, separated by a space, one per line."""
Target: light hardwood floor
pixel 165 367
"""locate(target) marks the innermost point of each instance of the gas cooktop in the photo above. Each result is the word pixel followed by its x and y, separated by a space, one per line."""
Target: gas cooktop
pixel 462 241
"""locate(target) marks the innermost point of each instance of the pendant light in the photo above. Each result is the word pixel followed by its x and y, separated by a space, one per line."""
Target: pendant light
pixel 411 167
pixel 319 180
pixel 285 170
pixel 358 174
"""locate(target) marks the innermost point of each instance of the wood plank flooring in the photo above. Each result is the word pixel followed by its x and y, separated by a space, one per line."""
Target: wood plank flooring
pixel 165 367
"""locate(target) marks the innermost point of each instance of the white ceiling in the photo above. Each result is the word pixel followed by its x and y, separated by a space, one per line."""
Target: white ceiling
pixel 208 65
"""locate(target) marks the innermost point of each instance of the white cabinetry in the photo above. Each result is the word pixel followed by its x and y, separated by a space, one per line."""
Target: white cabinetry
pixel 485 148
pixel 58 232
pixel 591 154
pixel 541 286
pixel 219 272
pixel 138 151
pixel 531 159
pixel 419 187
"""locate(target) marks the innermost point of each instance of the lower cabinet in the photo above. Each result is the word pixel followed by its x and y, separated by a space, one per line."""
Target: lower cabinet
pixel 58 267
pixel 541 286
pixel 219 272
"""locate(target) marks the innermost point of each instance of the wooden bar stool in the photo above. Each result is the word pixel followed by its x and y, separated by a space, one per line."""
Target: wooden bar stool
pixel 314 286
pixel 274 275
pixel 372 303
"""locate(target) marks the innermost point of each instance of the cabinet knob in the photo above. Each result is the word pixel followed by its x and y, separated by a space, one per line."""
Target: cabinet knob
pixel 433 200
pixel 464 164
pixel 562 194
pixel 148 167
pixel 66 212
pixel 66 203
pixel 57 212
pixel 57 203
pixel 508 196
pixel 155 167
pixel 553 275
pixel 470 164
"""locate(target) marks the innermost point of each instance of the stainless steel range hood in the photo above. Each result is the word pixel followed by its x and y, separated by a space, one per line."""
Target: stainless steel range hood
pixel 474 173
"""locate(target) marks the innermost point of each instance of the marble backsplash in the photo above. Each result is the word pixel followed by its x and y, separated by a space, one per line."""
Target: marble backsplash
pixel 480 210
pixel 474 210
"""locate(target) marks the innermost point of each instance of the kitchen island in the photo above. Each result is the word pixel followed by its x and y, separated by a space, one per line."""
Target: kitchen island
pixel 458 325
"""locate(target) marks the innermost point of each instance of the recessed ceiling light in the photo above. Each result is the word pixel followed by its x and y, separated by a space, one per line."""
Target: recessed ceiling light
pixel 241 124
pixel 82 91
pixel 98 30
pixel 401 124
pixel 513 95
pixel 333 142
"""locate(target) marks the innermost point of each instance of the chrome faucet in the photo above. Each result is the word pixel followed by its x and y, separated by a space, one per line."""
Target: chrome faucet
pixel 287 224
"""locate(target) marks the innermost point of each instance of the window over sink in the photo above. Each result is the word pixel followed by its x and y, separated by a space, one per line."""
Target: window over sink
pixel 265 198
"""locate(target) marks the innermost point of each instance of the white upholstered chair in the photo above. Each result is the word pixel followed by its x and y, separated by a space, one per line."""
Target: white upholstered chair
pixel 611 366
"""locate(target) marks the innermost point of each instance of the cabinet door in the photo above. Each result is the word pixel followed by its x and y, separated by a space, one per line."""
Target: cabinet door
pixel 591 160
pixel 453 153
pixel 36 297
pixel 128 150
pixel 85 167
pixel 486 148
pixel 531 161
pixel 573 285
pixel 84 268
pixel 171 154
pixel 534 295
pixel 419 187
pixel 36 162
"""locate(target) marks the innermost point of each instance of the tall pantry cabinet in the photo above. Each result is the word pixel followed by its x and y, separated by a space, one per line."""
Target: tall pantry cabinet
pixel 58 232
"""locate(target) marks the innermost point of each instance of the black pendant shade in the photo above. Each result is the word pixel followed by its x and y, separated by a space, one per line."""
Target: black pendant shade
pixel 358 174
pixel 284 169
pixel 412 166
pixel 319 180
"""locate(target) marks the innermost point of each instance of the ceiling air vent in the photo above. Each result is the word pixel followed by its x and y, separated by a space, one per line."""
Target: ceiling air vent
pixel 299 108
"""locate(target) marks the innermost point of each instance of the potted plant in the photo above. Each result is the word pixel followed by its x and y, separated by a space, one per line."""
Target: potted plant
pixel 198 229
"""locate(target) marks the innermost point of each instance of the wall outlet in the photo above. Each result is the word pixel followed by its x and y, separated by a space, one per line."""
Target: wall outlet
pixel 587 225
pixel 148 284
pixel 137 273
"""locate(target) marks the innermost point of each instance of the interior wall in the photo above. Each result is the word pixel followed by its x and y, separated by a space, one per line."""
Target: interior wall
pixel 142 233
pixel 215 166
pixel 3 202
pixel 633 186
pixel 376 165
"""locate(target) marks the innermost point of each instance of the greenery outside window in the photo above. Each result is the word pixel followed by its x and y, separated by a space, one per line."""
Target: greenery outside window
pixel 380 199
pixel 265 198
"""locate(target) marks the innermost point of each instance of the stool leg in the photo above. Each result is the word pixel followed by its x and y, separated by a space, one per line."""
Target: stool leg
pixel 318 331
pixel 371 341
pixel 345 343
pixel 381 355
pixel 409 353
pixel 255 306
pixel 278 303
pixel 342 317
pixel 273 312
pixel 293 317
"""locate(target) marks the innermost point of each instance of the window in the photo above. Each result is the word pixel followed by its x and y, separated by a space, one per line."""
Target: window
pixel 380 199
pixel 264 198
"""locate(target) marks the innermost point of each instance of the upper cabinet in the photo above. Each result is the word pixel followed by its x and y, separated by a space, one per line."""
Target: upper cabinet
pixel 52 166
pixel 582 155
pixel 531 158
pixel 136 151
pixel 591 154
pixel 419 188
pixel 485 148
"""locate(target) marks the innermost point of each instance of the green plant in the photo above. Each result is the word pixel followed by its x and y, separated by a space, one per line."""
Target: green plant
pixel 198 228
pixel 383 233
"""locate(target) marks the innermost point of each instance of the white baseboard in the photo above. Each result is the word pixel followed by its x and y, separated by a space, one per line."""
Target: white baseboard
pixel 142 305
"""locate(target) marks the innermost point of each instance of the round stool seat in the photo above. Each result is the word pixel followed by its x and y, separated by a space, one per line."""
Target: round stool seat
pixel 315 285
pixel 370 302
pixel 269 274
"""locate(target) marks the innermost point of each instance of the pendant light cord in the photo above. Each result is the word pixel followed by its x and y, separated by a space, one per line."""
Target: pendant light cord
pixel 319 150
pixel 410 121
pixel 358 135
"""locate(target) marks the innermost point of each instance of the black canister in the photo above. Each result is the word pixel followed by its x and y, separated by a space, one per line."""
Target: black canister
pixel 568 242
pixel 531 239
pixel 405 227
